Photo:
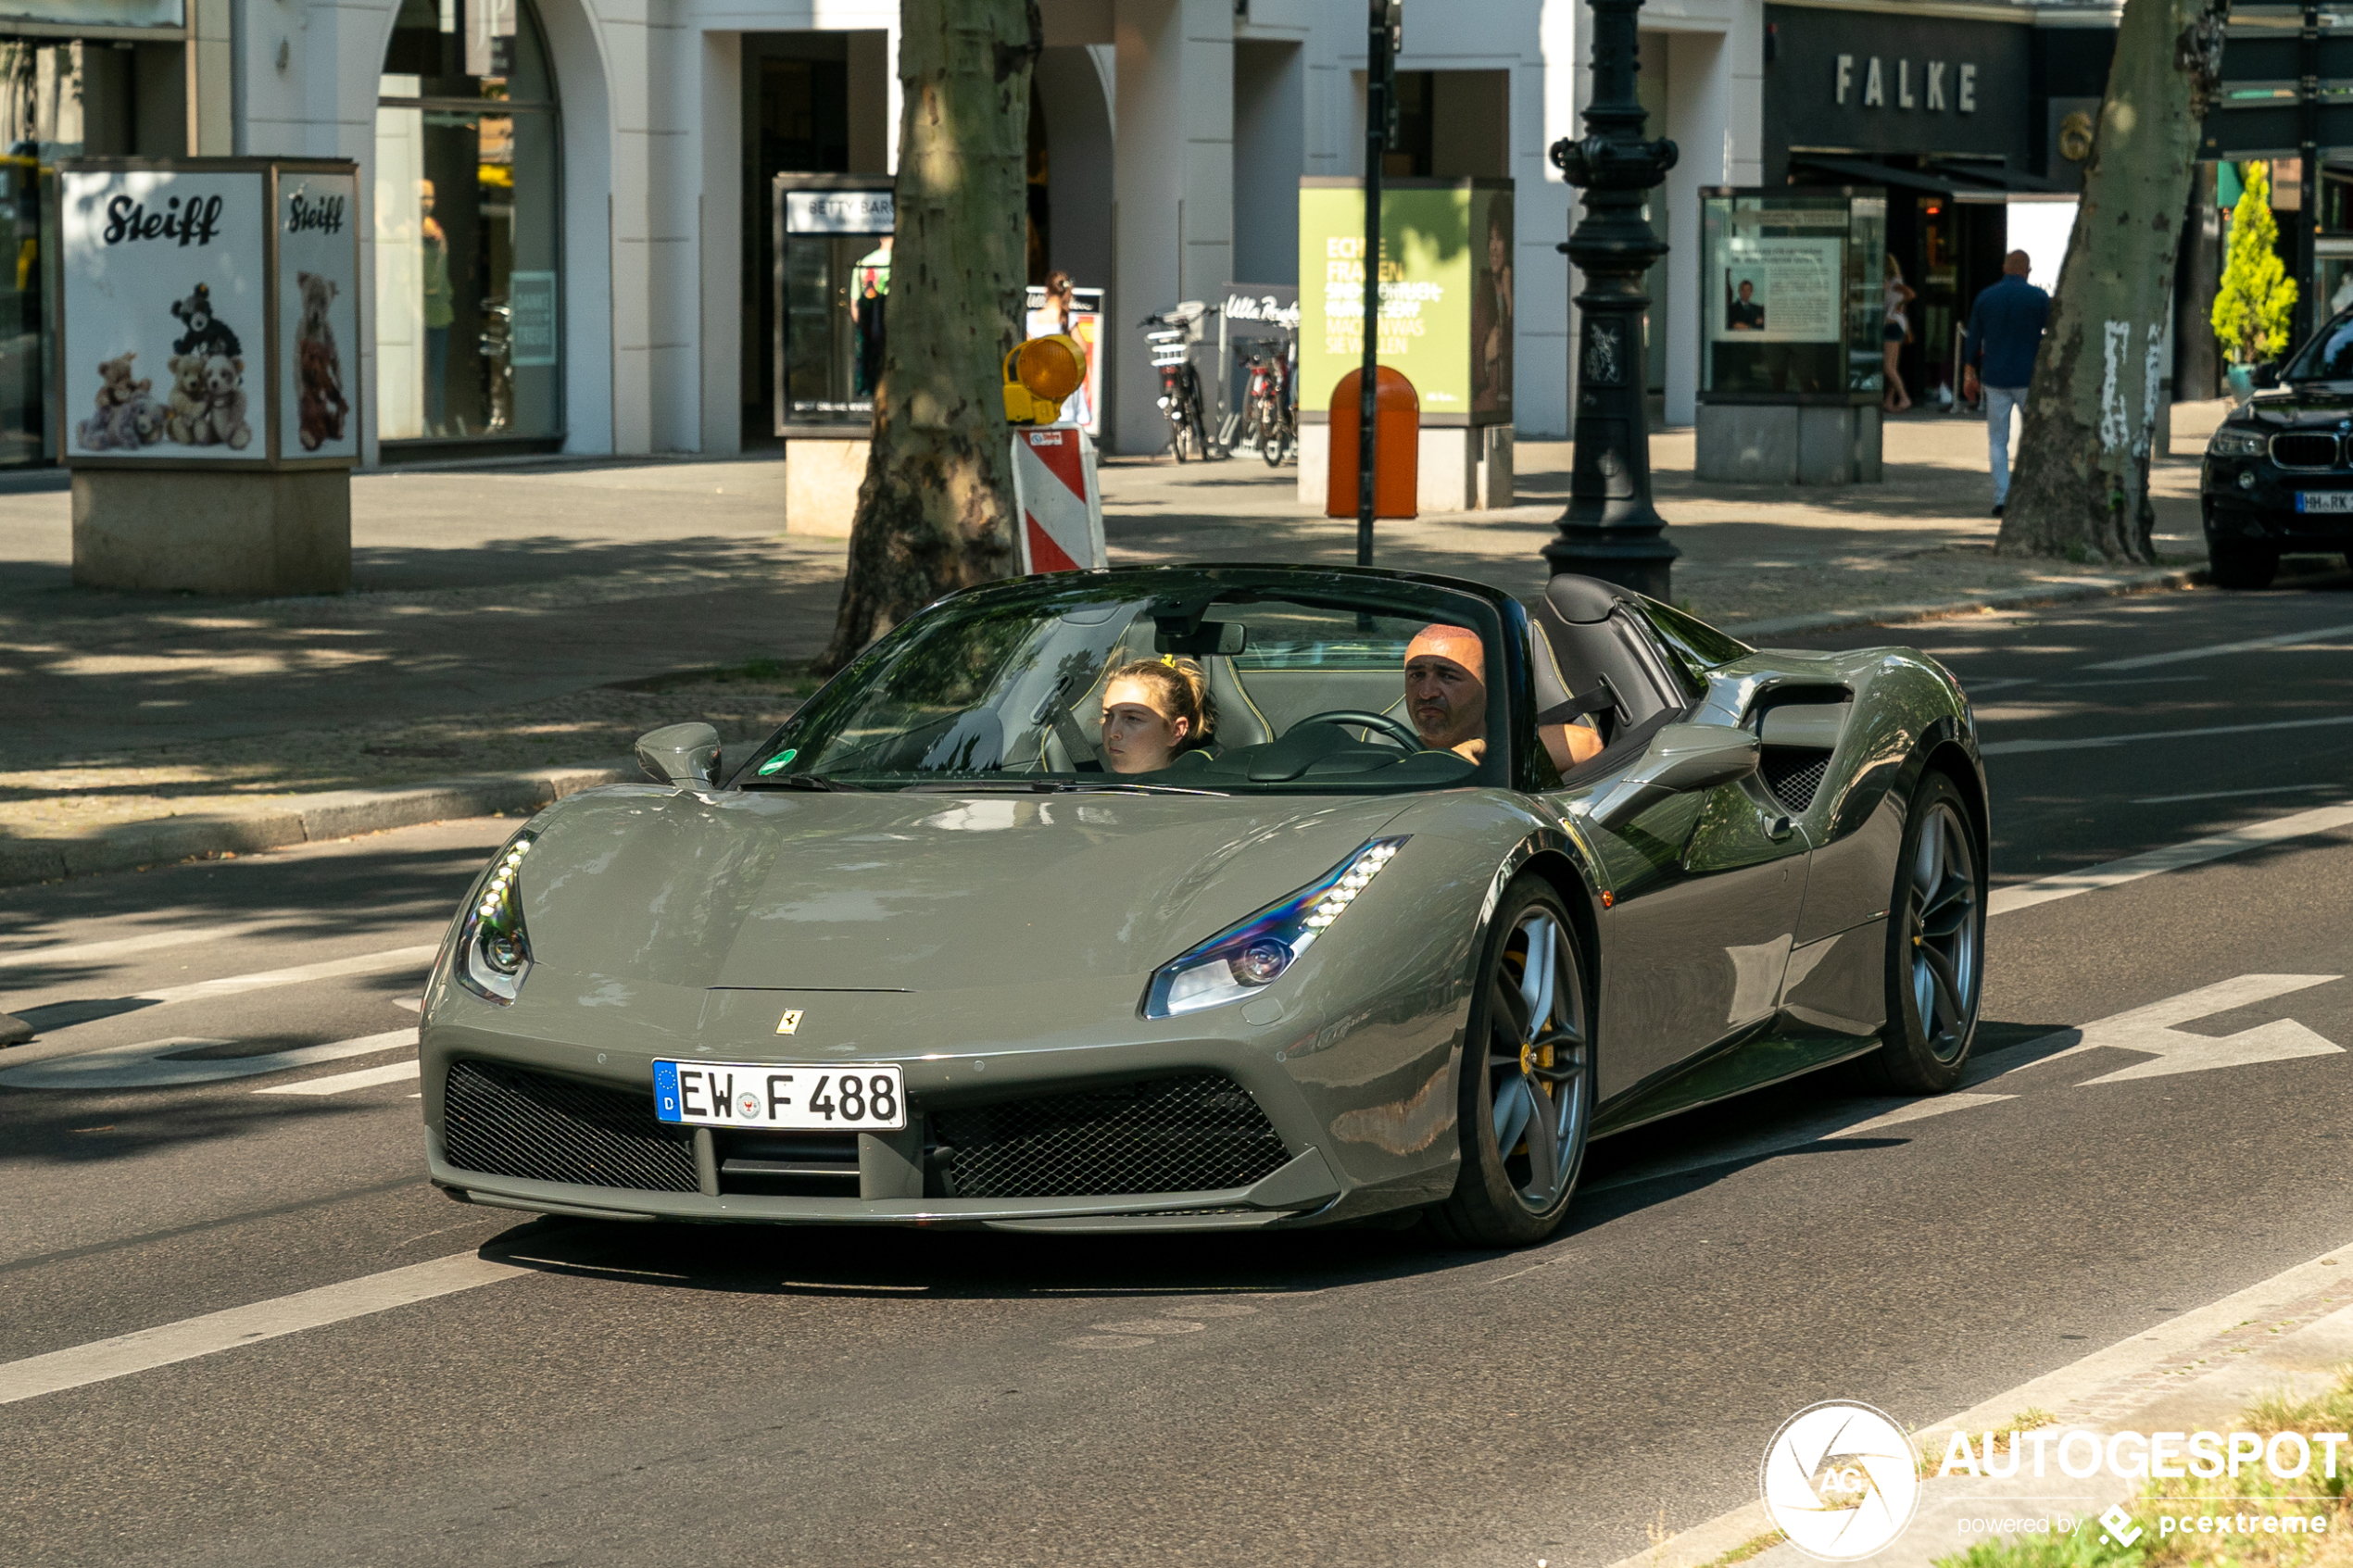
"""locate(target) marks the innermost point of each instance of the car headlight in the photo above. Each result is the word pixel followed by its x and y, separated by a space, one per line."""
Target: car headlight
pixel 2229 443
pixel 494 950
pixel 1244 958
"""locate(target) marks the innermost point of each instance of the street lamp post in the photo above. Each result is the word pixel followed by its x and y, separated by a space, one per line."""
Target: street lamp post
pixel 1610 530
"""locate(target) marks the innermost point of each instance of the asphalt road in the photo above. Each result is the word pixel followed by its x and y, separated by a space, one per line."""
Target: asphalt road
pixel 657 1396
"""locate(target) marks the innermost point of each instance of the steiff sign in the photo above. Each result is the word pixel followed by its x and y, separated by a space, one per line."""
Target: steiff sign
pixel 209 305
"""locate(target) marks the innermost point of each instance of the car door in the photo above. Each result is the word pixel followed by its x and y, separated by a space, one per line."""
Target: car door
pixel 1706 885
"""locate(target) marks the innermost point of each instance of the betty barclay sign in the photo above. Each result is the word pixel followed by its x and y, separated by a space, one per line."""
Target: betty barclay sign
pixel 1447 294
pixel 208 307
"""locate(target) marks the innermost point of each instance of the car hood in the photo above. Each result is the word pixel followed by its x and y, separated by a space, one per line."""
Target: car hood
pixel 912 892
pixel 2301 406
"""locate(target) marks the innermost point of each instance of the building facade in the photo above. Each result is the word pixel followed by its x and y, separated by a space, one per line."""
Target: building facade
pixel 571 236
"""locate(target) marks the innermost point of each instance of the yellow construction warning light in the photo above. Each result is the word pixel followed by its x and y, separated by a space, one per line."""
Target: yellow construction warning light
pixel 1039 375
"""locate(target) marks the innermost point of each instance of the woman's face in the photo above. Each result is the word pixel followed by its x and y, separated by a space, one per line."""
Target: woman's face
pixel 1138 737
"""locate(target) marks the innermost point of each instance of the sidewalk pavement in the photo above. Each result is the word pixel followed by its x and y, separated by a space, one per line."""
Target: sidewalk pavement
pixel 512 631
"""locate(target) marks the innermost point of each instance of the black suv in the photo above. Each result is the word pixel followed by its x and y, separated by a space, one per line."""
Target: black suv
pixel 2278 474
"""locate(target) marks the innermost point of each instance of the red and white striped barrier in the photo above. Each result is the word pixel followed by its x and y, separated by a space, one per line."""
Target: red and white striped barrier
pixel 1061 506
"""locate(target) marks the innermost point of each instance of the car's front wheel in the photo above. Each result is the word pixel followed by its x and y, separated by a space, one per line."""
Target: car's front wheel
pixel 2241 566
pixel 1527 1083
pixel 1935 945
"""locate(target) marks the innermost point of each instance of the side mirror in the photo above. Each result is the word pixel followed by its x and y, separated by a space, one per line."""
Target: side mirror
pixel 683 755
pixel 1680 759
pixel 2267 375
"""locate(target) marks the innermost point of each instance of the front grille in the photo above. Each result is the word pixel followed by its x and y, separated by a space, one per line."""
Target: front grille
pixel 2304 449
pixel 1197 1133
pixel 508 1121
pixel 1794 774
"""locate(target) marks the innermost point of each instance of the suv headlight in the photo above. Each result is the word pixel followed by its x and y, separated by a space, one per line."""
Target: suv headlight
pixel 1244 958
pixel 494 950
pixel 2229 443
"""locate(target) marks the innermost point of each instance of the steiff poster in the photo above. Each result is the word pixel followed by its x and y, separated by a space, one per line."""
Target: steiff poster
pixel 318 316
pixel 164 301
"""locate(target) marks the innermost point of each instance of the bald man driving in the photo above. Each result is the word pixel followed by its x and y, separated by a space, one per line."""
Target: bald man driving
pixel 1446 698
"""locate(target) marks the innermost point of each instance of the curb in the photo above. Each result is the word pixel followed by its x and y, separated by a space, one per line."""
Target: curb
pixel 298 818
pixel 2065 590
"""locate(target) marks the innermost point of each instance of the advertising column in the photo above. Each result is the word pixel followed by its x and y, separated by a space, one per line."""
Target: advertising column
pixel 1447 320
pixel 210 422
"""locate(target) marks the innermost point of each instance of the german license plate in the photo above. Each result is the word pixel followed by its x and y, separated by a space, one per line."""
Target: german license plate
pixel 866 1098
pixel 2324 500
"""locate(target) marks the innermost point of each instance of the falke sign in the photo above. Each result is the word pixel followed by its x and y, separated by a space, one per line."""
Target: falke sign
pixel 1928 77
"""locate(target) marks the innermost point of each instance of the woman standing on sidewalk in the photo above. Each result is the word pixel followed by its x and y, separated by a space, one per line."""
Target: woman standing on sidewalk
pixel 1895 335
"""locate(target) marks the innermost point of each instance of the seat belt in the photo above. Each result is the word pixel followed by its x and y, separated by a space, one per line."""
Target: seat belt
pixel 1601 699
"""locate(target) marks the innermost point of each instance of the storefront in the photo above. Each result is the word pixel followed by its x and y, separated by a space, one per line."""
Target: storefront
pixel 69 87
pixel 1965 124
pixel 468 266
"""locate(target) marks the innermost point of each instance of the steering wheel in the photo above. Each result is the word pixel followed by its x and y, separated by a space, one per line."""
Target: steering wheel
pixel 1358 718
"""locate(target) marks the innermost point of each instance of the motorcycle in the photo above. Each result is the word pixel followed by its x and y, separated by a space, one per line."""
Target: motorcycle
pixel 1269 423
pixel 1171 335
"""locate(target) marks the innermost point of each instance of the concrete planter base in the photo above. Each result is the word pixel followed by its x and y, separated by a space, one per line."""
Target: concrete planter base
pixel 1789 444
pixel 1457 468
pixel 239 534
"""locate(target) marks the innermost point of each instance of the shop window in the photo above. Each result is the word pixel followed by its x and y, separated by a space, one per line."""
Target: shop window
pixel 469 322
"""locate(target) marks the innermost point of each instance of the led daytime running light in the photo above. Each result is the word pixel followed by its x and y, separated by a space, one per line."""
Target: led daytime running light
pixel 494 953
pixel 1242 960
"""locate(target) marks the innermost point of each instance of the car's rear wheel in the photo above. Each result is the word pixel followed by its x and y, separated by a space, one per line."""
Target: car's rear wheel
pixel 1526 1085
pixel 1935 945
pixel 2241 566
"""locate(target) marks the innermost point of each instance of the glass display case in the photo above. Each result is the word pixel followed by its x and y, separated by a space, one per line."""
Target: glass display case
pixel 1793 295
pixel 832 238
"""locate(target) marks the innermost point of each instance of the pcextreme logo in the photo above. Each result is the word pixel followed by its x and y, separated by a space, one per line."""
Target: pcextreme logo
pixel 1840 1480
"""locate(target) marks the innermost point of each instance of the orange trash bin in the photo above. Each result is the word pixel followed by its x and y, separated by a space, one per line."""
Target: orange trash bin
pixel 1397 423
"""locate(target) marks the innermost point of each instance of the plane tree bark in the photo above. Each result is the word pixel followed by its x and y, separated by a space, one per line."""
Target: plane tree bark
pixel 935 508
pixel 2081 487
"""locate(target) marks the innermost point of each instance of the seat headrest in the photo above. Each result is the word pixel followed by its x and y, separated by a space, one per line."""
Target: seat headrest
pixel 1581 601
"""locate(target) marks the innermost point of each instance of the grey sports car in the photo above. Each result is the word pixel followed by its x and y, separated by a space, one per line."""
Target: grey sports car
pixel 923 958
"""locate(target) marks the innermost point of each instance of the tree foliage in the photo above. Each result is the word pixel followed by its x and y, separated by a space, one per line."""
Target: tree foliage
pixel 2252 307
pixel 935 508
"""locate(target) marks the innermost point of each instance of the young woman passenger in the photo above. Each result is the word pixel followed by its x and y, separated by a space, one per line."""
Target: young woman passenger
pixel 1155 710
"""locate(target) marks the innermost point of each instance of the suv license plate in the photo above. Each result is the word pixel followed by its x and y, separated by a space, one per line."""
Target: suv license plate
pixel 870 1098
pixel 2324 500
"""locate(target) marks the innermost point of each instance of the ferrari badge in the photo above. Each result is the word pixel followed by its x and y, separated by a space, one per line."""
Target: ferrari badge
pixel 789 1023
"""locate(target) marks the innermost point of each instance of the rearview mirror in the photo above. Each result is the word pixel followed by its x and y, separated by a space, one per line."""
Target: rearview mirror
pixel 684 755
pixel 1680 759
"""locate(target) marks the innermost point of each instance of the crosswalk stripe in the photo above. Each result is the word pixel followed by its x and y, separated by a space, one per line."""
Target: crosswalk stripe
pixel 126 1353
pixel 344 1082
pixel 148 1065
pixel 2173 857
pixel 147 941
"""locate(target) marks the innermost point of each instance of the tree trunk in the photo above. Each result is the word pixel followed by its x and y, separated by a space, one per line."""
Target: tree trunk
pixel 936 509
pixel 2081 489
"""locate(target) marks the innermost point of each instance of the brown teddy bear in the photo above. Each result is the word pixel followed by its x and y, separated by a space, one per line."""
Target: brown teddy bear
pixel 319 366
pixel 224 396
pixel 184 413
pixel 116 389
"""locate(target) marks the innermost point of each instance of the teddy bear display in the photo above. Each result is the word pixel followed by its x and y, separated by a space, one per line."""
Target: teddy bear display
pixel 319 367
pixel 206 334
pixel 184 413
pixel 117 391
pixel 224 396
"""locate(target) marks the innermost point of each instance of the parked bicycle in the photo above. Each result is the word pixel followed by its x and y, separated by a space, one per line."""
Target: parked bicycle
pixel 1269 423
pixel 1171 335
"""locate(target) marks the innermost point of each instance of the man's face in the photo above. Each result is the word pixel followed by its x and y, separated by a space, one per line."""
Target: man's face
pixel 1447 701
pixel 1748 292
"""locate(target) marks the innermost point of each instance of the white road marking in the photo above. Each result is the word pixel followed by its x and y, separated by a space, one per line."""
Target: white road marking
pixel 1919 1109
pixel 2154 1031
pixel 2176 655
pixel 178 936
pixel 2232 794
pixel 344 1082
pixel 2173 857
pixel 186 1340
pixel 330 969
pixel 142 1066
pixel 2087 742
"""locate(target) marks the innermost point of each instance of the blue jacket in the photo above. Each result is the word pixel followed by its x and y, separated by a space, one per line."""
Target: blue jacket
pixel 2004 329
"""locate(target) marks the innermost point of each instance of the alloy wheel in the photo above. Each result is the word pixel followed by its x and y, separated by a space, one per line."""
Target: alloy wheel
pixel 1943 931
pixel 1538 1061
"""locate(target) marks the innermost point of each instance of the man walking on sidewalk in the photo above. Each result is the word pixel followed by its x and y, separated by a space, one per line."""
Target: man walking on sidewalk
pixel 2004 329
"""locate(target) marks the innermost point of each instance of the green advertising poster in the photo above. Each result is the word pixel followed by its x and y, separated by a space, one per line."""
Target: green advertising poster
pixel 1446 293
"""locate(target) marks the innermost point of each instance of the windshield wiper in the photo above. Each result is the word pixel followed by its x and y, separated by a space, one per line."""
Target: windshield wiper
pixel 803 781
pixel 1050 787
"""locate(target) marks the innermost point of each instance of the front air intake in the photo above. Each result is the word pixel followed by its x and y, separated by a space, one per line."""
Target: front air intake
pixel 506 1121
pixel 1197 1132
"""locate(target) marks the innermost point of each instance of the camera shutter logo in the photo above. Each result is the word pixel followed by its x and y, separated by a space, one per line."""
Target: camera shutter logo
pixel 1840 1480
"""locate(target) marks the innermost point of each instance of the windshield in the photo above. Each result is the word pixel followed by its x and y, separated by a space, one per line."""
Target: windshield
pixel 1296 683
pixel 2329 357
